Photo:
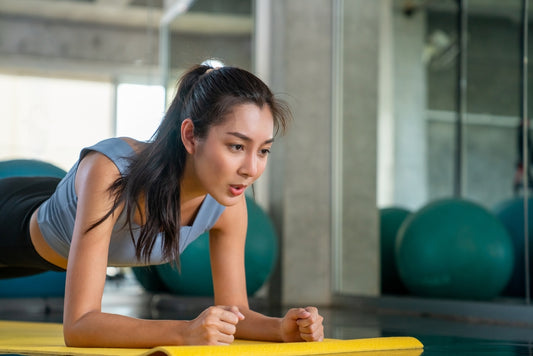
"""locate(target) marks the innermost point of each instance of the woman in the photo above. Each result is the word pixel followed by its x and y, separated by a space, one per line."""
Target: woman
pixel 131 203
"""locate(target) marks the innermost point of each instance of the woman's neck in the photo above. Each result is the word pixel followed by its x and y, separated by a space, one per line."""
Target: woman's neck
pixel 190 187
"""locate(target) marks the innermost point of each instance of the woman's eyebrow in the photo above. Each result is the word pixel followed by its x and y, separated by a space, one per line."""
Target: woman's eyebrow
pixel 246 138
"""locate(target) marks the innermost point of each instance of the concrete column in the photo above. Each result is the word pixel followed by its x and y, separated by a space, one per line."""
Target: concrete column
pixel 385 172
pixel 299 176
pixel 360 265
pixel 410 166
pixel 300 186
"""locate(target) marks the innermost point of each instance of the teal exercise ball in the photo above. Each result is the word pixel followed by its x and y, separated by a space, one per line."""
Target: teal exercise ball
pixel 47 284
pixel 511 214
pixel 454 248
pixel 149 279
pixel 194 275
pixel 391 219
pixel 261 253
pixel 29 168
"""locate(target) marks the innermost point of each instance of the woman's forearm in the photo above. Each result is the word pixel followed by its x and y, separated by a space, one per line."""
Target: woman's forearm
pixel 98 329
pixel 298 324
pixel 256 326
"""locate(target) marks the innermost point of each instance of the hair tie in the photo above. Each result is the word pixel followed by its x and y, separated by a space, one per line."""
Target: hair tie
pixel 211 69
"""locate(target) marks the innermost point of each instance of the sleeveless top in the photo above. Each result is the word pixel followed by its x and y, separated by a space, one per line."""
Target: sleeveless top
pixel 56 215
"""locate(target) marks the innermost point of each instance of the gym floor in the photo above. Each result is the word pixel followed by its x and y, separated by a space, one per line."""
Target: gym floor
pixel 473 329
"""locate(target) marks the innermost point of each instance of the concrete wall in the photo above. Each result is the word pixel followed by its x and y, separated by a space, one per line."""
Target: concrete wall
pixel 107 51
pixel 493 65
pixel 490 161
pixel 493 77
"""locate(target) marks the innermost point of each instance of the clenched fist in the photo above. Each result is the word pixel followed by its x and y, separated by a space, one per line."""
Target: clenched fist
pixel 302 324
pixel 214 326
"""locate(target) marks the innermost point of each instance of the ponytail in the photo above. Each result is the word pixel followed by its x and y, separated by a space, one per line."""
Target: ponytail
pixel 205 95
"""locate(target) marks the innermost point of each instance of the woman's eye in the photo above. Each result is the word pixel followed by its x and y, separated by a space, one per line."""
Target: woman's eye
pixel 265 151
pixel 237 147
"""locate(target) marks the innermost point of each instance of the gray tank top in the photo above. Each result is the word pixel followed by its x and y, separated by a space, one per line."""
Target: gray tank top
pixel 56 216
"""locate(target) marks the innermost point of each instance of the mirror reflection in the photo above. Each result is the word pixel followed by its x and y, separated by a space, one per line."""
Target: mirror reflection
pixel 452 194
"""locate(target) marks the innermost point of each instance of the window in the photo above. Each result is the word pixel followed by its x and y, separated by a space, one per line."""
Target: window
pixel 51 119
pixel 140 109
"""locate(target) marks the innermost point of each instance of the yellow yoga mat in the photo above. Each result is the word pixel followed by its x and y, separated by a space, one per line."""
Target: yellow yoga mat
pixel 47 339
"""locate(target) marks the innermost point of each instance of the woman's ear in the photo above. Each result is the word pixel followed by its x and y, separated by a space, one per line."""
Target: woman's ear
pixel 187 135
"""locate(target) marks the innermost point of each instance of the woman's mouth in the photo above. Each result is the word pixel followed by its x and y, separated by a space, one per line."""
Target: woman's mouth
pixel 237 189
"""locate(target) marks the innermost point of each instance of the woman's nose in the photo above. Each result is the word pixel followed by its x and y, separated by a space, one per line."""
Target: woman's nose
pixel 249 166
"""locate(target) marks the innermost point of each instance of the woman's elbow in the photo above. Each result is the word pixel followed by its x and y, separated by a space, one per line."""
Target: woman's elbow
pixel 70 337
pixel 73 335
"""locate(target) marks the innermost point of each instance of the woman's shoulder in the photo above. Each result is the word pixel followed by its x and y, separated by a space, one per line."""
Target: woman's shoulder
pixel 115 145
pixel 97 166
pixel 137 145
pixel 114 153
pixel 232 217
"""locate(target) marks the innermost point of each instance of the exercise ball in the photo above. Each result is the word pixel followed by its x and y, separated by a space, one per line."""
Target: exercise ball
pixel 29 168
pixel 195 278
pixel 454 248
pixel 511 214
pixel 43 285
pixel 390 221
pixel 46 284
pixel 149 279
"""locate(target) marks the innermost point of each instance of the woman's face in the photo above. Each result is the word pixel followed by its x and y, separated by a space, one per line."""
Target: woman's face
pixel 234 153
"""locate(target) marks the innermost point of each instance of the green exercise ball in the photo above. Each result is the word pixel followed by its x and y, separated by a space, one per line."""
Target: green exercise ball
pixel 511 214
pixel 149 279
pixel 390 221
pixel 453 248
pixel 194 275
pixel 46 284
pixel 261 253
pixel 29 168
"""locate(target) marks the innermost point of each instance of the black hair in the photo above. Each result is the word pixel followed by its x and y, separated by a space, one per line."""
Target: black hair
pixel 206 96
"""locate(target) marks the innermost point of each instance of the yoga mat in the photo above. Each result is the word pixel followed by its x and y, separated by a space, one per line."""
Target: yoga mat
pixel 47 339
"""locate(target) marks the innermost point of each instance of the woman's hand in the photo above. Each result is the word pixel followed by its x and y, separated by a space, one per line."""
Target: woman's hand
pixel 214 326
pixel 302 324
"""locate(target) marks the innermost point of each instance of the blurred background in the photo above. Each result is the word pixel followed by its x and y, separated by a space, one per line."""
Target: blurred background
pixel 406 172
